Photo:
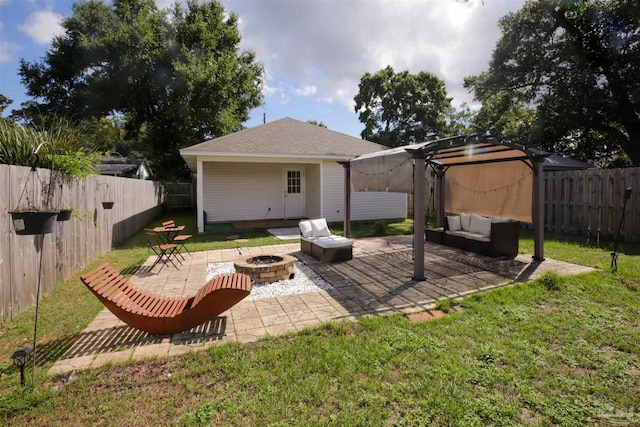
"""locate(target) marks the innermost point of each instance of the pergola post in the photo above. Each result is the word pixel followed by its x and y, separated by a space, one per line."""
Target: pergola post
pixel 347 198
pixel 537 213
pixel 440 197
pixel 418 215
pixel 200 197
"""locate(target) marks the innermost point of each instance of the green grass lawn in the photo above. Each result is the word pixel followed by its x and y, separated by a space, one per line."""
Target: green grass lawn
pixel 550 352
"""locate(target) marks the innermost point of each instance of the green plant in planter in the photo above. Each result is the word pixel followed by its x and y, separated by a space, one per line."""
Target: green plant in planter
pixel 64 214
pixel 58 148
pixel 66 148
pixel 31 217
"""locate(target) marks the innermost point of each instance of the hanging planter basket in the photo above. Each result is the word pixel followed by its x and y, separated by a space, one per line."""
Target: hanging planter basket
pixel 35 216
pixel 107 205
pixel 64 215
pixel 33 222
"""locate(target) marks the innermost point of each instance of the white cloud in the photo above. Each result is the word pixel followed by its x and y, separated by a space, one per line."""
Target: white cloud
pixel 269 90
pixel 42 26
pixel 165 4
pixel 8 51
pixel 306 91
pixel 331 44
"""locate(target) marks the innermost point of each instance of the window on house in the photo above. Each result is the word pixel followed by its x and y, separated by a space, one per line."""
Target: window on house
pixel 294 182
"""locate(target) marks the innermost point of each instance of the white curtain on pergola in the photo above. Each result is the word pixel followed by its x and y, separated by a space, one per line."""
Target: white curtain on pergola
pixel 476 174
pixel 387 170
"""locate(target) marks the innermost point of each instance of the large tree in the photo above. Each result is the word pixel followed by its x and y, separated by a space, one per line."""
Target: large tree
pixel 578 64
pixel 402 108
pixel 4 102
pixel 177 76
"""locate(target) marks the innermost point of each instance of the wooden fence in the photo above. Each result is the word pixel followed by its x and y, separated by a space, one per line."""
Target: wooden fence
pixel 589 203
pixel 178 195
pixel 90 233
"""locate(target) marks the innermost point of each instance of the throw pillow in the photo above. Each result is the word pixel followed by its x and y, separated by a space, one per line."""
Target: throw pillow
pixel 480 225
pixel 305 228
pixel 454 223
pixel 320 228
pixel 465 221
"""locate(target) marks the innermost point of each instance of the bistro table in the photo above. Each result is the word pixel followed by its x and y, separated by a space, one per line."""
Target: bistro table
pixel 168 233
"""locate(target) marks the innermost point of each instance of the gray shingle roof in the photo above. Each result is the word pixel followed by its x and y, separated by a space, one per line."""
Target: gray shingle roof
pixel 285 136
pixel 558 162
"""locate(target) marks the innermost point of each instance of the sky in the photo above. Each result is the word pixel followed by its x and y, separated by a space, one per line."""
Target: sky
pixel 314 51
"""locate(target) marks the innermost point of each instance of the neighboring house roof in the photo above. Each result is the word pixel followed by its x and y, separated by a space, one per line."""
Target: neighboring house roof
pixel 285 137
pixel 124 166
pixel 556 162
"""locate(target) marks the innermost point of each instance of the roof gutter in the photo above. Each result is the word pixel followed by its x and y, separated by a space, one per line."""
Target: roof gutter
pixel 202 154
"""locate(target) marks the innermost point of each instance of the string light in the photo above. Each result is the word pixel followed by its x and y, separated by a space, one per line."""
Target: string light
pixel 507 187
pixel 383 172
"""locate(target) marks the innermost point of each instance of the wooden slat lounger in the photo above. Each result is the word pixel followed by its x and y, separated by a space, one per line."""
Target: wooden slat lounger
pixel 158 315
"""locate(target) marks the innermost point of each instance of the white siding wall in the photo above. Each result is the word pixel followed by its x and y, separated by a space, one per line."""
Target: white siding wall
pixel 312 188
pixel 374 206
pixel 333 189
pixel 364 206
pixel 242 191
pixel 245 191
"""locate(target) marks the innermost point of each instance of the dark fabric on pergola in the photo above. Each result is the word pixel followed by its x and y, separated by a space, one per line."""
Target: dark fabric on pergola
pixel 402 169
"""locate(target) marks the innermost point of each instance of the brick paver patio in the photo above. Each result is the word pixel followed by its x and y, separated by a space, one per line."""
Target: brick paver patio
pixel 376 282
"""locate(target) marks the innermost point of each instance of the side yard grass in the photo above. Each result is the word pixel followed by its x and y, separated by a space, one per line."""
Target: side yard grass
pixel 556 351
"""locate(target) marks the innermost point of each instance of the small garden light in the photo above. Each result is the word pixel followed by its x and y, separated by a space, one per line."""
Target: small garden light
pixel 20 357
pixel 614 254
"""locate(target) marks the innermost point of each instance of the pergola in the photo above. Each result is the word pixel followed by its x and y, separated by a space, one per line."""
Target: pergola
pixel 483 174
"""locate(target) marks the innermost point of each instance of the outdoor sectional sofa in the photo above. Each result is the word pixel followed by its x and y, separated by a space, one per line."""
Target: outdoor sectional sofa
pixel 495 237
pixel 316 240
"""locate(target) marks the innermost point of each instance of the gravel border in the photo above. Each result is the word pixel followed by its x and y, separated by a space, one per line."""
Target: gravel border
pixel 304 280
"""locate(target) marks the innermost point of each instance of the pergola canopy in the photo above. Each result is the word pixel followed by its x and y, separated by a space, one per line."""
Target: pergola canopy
pixel 476 173
pixel 392 169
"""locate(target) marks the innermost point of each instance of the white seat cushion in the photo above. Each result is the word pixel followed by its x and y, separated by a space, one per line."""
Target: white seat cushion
pixel 469 235
pixel 332 242
pixel 477 237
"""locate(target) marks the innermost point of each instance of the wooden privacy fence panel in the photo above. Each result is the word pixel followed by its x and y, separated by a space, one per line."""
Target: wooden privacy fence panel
pixel 590 202
pixel 178 195
pixel 90 233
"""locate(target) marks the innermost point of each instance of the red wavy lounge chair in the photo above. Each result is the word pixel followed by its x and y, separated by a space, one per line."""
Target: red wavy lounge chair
pixel 158 315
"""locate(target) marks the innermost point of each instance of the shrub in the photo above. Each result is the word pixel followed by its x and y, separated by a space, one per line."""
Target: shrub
pixel 380 228
pixel 64 149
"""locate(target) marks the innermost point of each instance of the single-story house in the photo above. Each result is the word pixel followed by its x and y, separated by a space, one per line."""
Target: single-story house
pixel 285 169
pixel 127 167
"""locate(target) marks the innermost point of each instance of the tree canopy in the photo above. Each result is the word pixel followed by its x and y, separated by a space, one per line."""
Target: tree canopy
pixel 4 102
pixel 402 108
pixel 175 77
pixel 566 75
pixel 317 123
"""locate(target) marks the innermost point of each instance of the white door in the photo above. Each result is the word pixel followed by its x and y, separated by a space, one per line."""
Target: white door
pixel 293 193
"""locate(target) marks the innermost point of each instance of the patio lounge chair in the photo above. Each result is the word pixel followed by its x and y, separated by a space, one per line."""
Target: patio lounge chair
pixel 158 315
